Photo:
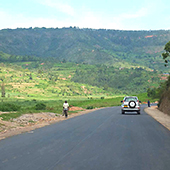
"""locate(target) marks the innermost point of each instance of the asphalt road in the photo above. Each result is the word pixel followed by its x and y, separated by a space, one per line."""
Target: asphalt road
pixel 101 140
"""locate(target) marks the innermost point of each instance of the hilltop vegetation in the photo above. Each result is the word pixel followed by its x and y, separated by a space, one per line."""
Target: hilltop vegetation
pixel 23 81
pixel 128 80
pixel 49 78
pixel 109 47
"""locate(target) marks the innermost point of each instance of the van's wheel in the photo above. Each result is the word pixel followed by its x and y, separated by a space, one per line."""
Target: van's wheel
pixel 123 112
pixel 138 112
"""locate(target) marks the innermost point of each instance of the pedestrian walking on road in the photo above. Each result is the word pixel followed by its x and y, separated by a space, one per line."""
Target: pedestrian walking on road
pixel 149 104
pixel 65 109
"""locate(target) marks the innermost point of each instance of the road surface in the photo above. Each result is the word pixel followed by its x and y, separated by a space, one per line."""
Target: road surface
pixel 102 140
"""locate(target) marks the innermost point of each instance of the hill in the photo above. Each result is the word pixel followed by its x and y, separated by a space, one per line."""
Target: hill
pixel 91 46
pixel 43 78
pixel 23 81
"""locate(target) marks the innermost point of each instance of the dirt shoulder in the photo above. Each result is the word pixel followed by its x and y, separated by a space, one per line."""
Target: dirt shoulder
pixel 161 117
pixel 30 122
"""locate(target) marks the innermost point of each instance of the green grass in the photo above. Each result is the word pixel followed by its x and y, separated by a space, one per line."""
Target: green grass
pixel 8 116
pixel 55 106
pixel 97 103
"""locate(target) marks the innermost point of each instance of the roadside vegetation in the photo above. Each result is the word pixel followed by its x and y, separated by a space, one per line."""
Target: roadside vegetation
pixel 163 91
pixel 17 107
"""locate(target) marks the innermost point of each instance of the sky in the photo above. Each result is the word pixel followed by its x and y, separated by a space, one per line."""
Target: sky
pixel 96 14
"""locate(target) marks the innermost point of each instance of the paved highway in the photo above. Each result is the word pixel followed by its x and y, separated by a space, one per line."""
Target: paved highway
pixel 101 140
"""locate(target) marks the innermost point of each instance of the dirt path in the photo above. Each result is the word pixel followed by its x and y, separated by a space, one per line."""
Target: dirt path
pixel 30 122
pixel 161 117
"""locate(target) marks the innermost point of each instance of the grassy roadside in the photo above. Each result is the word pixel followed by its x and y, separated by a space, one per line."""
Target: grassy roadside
pixel 55 106
pixel 18 107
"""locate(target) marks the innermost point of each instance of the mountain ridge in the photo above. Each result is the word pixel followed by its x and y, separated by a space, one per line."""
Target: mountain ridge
pixel 86 45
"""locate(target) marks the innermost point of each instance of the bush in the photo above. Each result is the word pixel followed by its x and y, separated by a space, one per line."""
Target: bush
pixel 9 107
pixel 90 107
pixel 102 97
pixel 40 106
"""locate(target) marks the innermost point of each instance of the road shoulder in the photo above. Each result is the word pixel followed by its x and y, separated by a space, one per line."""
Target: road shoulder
pixel 161 117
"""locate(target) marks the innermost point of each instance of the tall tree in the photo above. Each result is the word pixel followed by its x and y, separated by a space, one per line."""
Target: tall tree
pixel 166 54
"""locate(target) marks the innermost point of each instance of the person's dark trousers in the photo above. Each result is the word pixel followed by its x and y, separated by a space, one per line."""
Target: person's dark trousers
pixel 149 104
pixel 65 112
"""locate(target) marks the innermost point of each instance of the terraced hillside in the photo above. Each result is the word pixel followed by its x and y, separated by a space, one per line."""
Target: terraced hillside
pixel 57 80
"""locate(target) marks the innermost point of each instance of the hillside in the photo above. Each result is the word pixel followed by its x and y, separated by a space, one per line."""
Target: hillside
pixel 24 82
pixel 164 102
pixel 29 79
pixel 90 46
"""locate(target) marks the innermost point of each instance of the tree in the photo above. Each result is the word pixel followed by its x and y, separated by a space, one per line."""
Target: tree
pixel 167 53
pixel 64 61
pixel 3 90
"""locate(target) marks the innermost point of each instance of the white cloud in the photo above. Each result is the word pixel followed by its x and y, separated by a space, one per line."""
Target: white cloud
pixel 60 6
pixel 124 20
pixel 138 14
pixel 82 17
pixel 6 20
pixel 46 22
pixel 21 21
pixel 88 19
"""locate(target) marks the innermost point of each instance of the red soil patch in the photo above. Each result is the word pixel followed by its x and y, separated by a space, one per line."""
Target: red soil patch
pixel 75 108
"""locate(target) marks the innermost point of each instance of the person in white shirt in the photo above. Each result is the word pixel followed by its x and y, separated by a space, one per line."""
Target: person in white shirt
pixel 65 109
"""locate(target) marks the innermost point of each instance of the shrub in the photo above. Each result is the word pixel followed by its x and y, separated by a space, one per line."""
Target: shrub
pixel 9 107
pixel 90 107
pixel 102 97
pixel 40 106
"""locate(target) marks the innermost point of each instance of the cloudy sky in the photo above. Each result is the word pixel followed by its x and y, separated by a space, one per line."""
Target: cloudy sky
pixel 107 14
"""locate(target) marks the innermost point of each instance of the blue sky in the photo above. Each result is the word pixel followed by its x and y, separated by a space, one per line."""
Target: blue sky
pixel 108 14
